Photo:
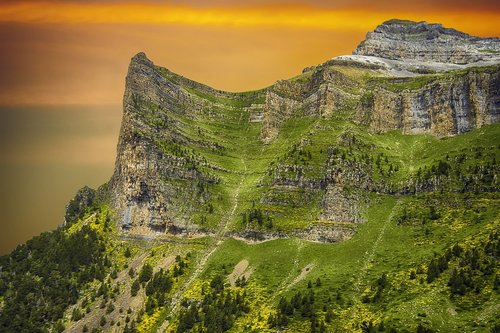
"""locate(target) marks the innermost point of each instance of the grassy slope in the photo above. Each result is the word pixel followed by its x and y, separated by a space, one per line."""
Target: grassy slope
pixel 248 163
pixel 351 267
pixel 347 270
pixel 380 246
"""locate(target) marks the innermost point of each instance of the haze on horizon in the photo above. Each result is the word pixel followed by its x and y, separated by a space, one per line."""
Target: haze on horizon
pixel 58 54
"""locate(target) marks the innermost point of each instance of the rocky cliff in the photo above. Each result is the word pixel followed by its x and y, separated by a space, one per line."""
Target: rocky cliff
pixel 443 105
pixel 400 39
pixel 193 159
pixel 153 172
pixel 412 76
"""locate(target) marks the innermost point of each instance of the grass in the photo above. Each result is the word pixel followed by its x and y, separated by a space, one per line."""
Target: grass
pixel 420 81
pixel 349 268
pixel 352 266
pixel 223 145
pixel 490 51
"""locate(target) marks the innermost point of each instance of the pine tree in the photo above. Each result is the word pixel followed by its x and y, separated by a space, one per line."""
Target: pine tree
pixel 329 316
pixel 135 287
pixel 433 215
pixel 146 273
pixel 456 283
pixel 432 271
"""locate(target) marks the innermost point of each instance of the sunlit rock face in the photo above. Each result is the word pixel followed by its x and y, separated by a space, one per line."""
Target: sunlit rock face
pixel 399 39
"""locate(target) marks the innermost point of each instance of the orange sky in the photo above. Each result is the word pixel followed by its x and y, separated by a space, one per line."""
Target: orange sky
pixel 77 52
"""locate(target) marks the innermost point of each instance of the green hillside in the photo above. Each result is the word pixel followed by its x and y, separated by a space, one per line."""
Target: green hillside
pixel 414 246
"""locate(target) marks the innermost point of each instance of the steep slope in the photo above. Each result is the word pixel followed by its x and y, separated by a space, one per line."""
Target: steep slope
pixel 175 148
pixel 442 104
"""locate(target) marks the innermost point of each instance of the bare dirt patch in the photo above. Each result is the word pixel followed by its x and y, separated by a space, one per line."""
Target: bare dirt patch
pixel 303 273
pixel 240 270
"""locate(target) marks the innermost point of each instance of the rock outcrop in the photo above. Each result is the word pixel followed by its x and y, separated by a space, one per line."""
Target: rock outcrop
pixel 400 39
pixel 443 106
pixel 152 175
pixel 320 93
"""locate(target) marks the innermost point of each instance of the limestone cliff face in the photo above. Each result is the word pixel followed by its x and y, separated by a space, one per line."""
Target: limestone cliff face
pixel 143 188
pixel 324 92
pixel 399 39
pixel 439 104
pixel 347 182
pixel 444 106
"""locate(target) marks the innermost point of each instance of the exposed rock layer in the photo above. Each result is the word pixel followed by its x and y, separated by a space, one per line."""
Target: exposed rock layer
pixel 138 192
pixel 441 106
pixel 399 39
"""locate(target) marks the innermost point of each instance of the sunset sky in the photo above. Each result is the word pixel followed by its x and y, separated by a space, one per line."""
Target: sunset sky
pixel 76 52
pixel 63 64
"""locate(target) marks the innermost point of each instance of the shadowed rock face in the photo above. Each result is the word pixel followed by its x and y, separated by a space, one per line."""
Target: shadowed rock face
pixel 398 39
pixel 160 179
pixel 443 107
pixel 144 201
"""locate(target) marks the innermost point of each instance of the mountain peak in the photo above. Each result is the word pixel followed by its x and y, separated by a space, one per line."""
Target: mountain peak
pixel 420 30
pixel 403 39
pixel 141 59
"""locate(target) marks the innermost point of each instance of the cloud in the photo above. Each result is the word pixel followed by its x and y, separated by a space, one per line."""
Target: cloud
pixel 380 4
pixel 350 17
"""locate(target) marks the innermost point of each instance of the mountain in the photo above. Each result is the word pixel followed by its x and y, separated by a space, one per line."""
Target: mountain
pixel 400 39
pixel 359 196
pixel 178 134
